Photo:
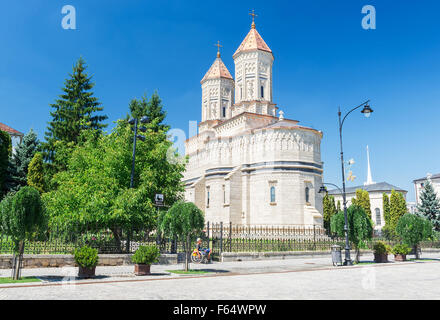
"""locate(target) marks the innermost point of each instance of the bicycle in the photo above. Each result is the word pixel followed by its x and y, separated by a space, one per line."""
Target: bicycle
pixel 202 258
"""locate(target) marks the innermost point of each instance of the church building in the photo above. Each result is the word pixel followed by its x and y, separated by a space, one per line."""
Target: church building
pixel 248 164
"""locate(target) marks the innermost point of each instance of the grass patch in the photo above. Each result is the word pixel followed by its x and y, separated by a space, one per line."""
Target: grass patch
pixel 423 259
pixel 363 263
pixel 22 280
pixel 188 272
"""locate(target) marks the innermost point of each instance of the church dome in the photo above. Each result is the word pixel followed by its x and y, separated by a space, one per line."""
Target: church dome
pixel 218 70
pixel 252 42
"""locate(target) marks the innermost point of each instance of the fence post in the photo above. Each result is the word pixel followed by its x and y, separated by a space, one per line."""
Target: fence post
pixel 314 237
pixel 221 238
pixel 207 232
pixel 230 236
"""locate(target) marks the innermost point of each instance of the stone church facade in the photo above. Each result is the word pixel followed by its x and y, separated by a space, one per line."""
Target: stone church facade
pixel 248 164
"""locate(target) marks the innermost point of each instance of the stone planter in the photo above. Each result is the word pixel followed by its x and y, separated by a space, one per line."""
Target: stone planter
pixel 142 269
pixel 400 257
pixel 380 258
pixel 86 272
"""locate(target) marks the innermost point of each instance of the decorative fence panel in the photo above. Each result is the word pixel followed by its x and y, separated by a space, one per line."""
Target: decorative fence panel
pixel 220 237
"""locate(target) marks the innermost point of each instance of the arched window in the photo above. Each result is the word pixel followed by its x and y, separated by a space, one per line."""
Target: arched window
pixel 272 194
pixel 378 218
pixel 224 112
pixel 262 92
pixel 208 196
pixel 307 195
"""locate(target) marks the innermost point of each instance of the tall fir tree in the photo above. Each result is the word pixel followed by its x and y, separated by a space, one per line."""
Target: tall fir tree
pixel 386 208
pixel 19 162
pixel 75 110
pixel 429 206
pixel 35 177
pixel 338 206
pixel 5 153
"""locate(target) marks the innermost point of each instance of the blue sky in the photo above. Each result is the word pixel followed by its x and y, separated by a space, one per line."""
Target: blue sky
pixel 323 59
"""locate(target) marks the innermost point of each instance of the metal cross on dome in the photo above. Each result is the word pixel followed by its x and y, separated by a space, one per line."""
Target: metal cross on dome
pixel 218 45
pixel 253 17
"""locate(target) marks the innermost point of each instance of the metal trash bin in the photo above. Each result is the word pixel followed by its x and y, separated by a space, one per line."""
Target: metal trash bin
pixel 336 255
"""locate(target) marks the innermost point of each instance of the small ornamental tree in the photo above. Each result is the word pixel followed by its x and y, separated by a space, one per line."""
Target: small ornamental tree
pixel 363 199
pixel 21 215
pixel 35 176
pixel 412 229
pixel 397 210
pixel 430 205
pixel 184 221
pixel 329 209
pixel 360 227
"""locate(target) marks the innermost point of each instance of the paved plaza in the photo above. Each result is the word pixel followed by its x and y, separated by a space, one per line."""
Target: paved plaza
pixel 313 278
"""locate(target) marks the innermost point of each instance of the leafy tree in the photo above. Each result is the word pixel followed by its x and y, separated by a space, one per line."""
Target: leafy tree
pixel 95 189
pixel 35 177
pixel 363 199
pixel 19 164
pixel 338 207
pixel 412 229
pixel 184 221
pixel 5 153
pixel 360 227
pixel 430 205
pixel 21 215
pixel 152 108
pixel 397 210
pixel 386 208
pixel 75 110
pixel 329 209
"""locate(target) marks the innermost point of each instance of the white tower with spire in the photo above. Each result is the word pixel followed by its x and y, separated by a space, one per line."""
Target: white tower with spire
pixel 217 91
pixel 369 178
pixel 253 75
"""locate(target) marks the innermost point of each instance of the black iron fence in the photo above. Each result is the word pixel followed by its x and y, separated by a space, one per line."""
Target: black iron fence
pixel 220 237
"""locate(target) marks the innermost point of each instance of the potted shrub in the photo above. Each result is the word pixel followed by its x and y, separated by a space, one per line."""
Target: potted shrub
pixel 400 251
pixel 381 250
pixel 87 260
pixel 143 258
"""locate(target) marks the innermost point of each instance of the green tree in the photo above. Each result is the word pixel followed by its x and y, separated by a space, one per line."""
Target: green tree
pixel 35 176
pixel 397 210
pixel 19 164
pixel 183 221
pixel 412 229
pixel 360 227
pixel 338 207
pixel 21 215
pixel 95 187
pixel 75 110
pixel 329 208
pixel 5 153
pixel 386 208
pixel 152 108
pixel 430 205
pixel 363 199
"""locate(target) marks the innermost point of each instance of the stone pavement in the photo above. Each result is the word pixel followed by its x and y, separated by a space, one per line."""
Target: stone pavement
pixel 270 279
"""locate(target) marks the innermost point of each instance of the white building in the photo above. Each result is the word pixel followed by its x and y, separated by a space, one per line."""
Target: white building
pixel 249 165
pixel 419 184
pixel 375 191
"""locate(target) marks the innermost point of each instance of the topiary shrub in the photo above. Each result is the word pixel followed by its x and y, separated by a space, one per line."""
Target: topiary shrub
pixel 86 257
pixel 402 249
pixel 381 247
pixel 146 255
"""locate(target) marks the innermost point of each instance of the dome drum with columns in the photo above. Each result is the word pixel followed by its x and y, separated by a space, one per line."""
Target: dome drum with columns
pixel 247 165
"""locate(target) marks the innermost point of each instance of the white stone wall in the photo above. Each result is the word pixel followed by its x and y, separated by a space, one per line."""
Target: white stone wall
pixel 418 188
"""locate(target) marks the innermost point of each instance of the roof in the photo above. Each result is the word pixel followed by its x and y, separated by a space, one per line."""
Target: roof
pixel 284 124
pixel 9 130
pixel 253 41
pixel 218 70
pixel 381 186
pixel 434 176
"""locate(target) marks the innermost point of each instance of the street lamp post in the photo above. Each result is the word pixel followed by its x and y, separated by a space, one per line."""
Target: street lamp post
pixel 135 122
pixel 367 112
